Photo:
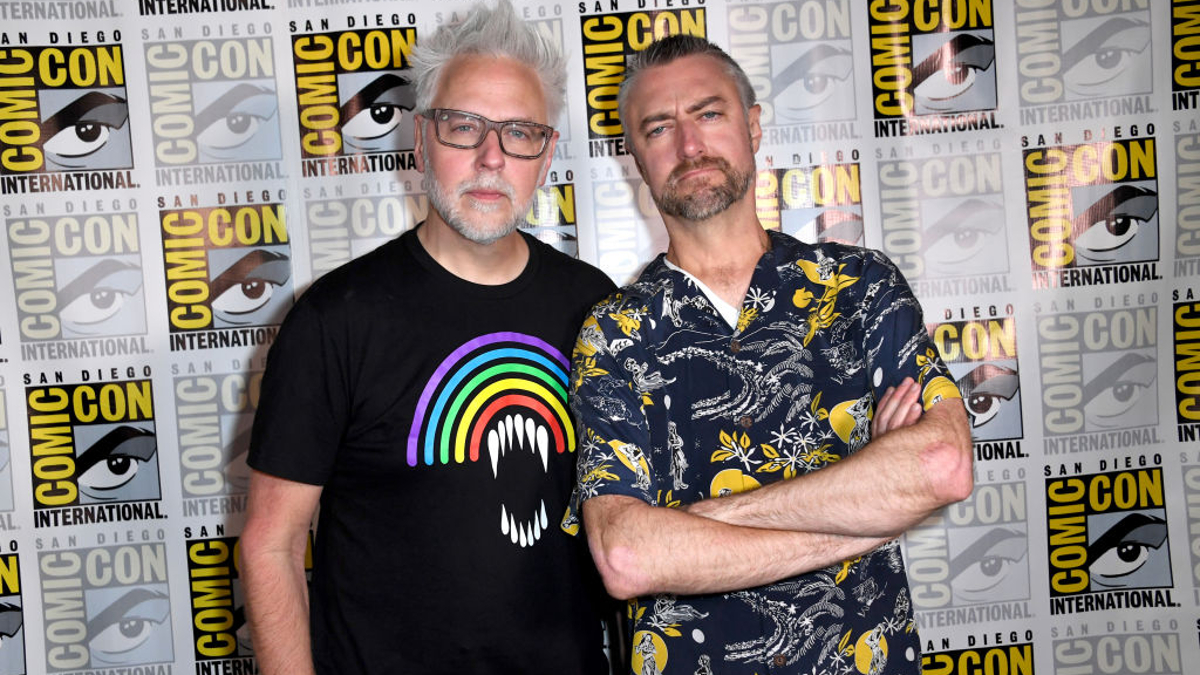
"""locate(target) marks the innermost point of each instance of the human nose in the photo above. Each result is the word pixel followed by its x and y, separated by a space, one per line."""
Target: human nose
pixel 688 139
pixel 490 155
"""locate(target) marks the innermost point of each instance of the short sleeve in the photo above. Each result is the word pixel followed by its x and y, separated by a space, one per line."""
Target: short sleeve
pixel 612 433
pixel 302 411
pixel 897 343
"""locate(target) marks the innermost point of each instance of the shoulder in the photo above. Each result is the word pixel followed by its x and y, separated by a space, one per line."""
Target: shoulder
pixel 359 284
pixel 834 257
pixel 570 274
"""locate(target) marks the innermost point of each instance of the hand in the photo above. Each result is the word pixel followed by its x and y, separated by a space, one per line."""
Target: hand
pixel 900 407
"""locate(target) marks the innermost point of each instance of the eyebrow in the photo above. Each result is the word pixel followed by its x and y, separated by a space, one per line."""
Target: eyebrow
pixel 1111 375
pixel 119 607
pixel 1088 45
pixel 123 441
pixel 102 271
pixel 1138 528
pixel 226 102
pixel 257 264
pixel 694 107
pixel 93 106
pixel 391 85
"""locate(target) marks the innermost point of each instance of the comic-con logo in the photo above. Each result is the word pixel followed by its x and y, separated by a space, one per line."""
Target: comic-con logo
pixel 999 659
pixel 106 607
pixel 77 276
pixel 12 615
pixel 608 39
pixel 932 59
pixel 628 226
pixel 1120 647
pixel 551 218
pixel 355 99
pixel 64 110
pixel 213 413
pixel 1098 373
pixel 1107 537
pixel 970 564
pixel 1187 202
pixel 499 399
pixel 943 221
pixel 1083 60
pixel 6 446
pixel 342 228
pixel 1185 323
pixel 812 203
pixel 93 448
pixel 798 56
pixel 982 357
pixel 1092 213
pixel 212 101
pixel 228 269
pixel 1185 54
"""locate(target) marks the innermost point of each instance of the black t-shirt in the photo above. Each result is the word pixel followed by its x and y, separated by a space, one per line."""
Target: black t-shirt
pixel 432 410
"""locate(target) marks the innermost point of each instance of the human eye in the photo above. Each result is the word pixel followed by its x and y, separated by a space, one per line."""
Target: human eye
pixel 1113 221
pixel 248 285
pixel 374 113
pixel 1108 59
pixel 83 127
pixel 126 624
pixel 819 75
pixel 952 69
pixel 1125 548
pixel 99 294
pixel 985 389
pixel 1118 395
pixel 235 118
pixel 966 238
pixel 979 572
pixel 113 461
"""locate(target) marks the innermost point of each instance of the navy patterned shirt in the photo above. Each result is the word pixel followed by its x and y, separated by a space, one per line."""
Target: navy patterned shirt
pixel 674 406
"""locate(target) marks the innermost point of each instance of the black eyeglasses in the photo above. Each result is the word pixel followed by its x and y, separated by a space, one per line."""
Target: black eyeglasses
pixel 458 129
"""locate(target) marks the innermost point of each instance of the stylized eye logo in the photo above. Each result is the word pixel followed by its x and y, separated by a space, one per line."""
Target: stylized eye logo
pixel 968 239
pixel 1112 222
pixel 127 624
pixel 1108 60
pixel 985 388
pixel 97 296
pixel 375 112
pixel 243 292
pixel 112 462
pixel 1117 396
pixel 82 128
pixel 951 71
pixel 820 75
pixel 228 125
pixel 978 573
pixel 1125 548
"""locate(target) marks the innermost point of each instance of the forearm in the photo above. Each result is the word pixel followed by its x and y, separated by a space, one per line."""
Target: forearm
pixel 277 606
pixel 890 485
pixel 641 549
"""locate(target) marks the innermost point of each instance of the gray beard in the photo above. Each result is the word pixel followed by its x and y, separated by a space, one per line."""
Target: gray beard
pixel 708 201
pixel 448 208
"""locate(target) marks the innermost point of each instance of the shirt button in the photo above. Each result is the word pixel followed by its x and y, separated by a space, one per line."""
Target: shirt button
pixel 746 421
pixel 779 660
pixel 735 346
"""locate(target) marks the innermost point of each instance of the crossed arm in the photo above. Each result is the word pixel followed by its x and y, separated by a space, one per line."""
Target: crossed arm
pixel 911 468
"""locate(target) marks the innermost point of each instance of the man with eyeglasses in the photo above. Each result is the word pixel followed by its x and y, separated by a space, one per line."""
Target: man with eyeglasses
pixel 418 394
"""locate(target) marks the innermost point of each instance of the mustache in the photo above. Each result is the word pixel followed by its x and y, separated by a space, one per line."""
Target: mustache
pixel 487 182
pixel 699 163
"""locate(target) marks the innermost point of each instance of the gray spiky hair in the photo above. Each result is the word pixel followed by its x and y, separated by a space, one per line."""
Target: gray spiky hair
pixel 495 32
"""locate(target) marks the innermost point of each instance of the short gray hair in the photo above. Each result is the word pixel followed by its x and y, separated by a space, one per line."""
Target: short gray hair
pixel 671 48
pixel 497 32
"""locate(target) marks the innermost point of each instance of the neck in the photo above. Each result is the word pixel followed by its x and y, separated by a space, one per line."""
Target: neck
pixel 721 251
pixel 487 264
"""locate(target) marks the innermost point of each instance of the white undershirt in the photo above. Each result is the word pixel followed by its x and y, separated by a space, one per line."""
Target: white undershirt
pixel 726 310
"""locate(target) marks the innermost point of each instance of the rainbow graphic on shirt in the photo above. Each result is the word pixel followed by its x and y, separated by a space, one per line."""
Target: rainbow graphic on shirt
pixel 472 395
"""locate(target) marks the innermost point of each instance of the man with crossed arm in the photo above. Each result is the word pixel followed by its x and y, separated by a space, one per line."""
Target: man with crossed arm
pixel 729 482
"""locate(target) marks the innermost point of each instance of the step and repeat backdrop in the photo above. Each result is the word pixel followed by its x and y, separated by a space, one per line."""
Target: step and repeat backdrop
pixel 173 173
